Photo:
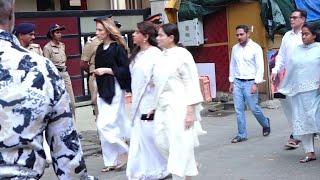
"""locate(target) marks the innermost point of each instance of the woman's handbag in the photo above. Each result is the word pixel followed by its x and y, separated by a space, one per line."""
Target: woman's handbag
pixel 278 95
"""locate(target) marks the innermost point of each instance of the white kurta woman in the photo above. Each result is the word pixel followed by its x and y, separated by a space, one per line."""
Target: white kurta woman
pixel 113 78
pixel 145 162
pixel 177 105
pixel 301 86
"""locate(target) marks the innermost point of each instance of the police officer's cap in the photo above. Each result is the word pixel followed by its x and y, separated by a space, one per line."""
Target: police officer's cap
pixel 24 28
pixel 102 18
pixel 54 27
pixel 156 19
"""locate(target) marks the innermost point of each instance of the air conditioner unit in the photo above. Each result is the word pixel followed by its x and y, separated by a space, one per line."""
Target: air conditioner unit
pixel 191 32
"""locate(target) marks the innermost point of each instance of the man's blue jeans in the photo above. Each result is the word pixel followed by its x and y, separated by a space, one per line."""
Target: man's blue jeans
pixel 241 97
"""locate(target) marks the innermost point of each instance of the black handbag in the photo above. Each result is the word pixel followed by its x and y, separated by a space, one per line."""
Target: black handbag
pixel 145 118
pixel 278 95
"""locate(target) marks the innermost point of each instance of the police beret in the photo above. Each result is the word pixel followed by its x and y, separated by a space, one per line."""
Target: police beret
pixel 23 28
pixel 54 27
pixel 156 19
pixel 101 18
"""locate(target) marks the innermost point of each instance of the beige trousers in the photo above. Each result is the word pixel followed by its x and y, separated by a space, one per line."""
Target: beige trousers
pixel 93 92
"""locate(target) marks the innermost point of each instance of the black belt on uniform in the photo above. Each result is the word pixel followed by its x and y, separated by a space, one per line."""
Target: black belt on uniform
pixel 62 69
pixel 245 79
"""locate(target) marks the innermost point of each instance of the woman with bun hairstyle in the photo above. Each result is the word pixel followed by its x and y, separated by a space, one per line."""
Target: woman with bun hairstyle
pixel 178 105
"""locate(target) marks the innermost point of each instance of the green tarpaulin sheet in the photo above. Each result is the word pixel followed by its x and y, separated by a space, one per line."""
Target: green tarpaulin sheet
pixel 274 13
pixel 190 9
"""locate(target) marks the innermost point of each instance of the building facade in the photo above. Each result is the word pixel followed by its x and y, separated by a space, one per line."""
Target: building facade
pixel 57 5
pixel 80 26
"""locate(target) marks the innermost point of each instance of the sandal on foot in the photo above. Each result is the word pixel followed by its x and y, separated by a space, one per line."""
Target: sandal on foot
pixel 198 165
pixel 266 130
pixel 292 144
pixel 108 168
pixel 120 166
pixel 307 159
pixel 238 139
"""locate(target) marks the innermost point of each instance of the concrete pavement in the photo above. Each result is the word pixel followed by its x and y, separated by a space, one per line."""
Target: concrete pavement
pixel 259 158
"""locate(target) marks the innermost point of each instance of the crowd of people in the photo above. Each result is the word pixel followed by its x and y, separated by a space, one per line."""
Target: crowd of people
pixel 296 68
pixel 298 64
pixel 161 131
pixel 164 125
pixel 36 92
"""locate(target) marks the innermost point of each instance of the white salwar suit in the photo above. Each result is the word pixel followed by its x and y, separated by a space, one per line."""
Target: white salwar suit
pixel 177 86
pixel 113 126
pixel 302 87
pixel 145 162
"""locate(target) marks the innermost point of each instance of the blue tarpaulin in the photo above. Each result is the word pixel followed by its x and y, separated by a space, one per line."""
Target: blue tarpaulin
pixel 311 6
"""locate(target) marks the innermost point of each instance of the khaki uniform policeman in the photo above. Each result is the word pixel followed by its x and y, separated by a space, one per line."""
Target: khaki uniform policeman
pixel 35 48
pixel 25 33
pixel 88 57
pixel 55 51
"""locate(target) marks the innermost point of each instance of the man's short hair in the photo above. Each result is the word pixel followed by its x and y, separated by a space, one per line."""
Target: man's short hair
pixel 244 27
pixel 302 12
pixel 6 8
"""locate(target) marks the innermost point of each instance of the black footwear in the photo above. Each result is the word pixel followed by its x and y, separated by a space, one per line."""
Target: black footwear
pixel 169 176
pixel 238 139
pixel 266 130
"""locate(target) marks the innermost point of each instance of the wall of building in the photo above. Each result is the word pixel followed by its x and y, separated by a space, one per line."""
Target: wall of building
pixel 26 5
pixel 31 5
pixel 276 42
pixel 158 6
pixel 146 4
pixel 99 5
pixel 215 49
pixel 57 6
pixel 120 4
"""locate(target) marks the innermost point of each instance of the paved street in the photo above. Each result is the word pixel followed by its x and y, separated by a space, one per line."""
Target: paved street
pixel 259 158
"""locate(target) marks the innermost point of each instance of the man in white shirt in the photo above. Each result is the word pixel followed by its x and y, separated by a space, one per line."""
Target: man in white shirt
pixel 290 41
pixel 246 72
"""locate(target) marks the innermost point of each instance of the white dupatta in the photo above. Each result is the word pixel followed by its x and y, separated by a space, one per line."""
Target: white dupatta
pixel 162 72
